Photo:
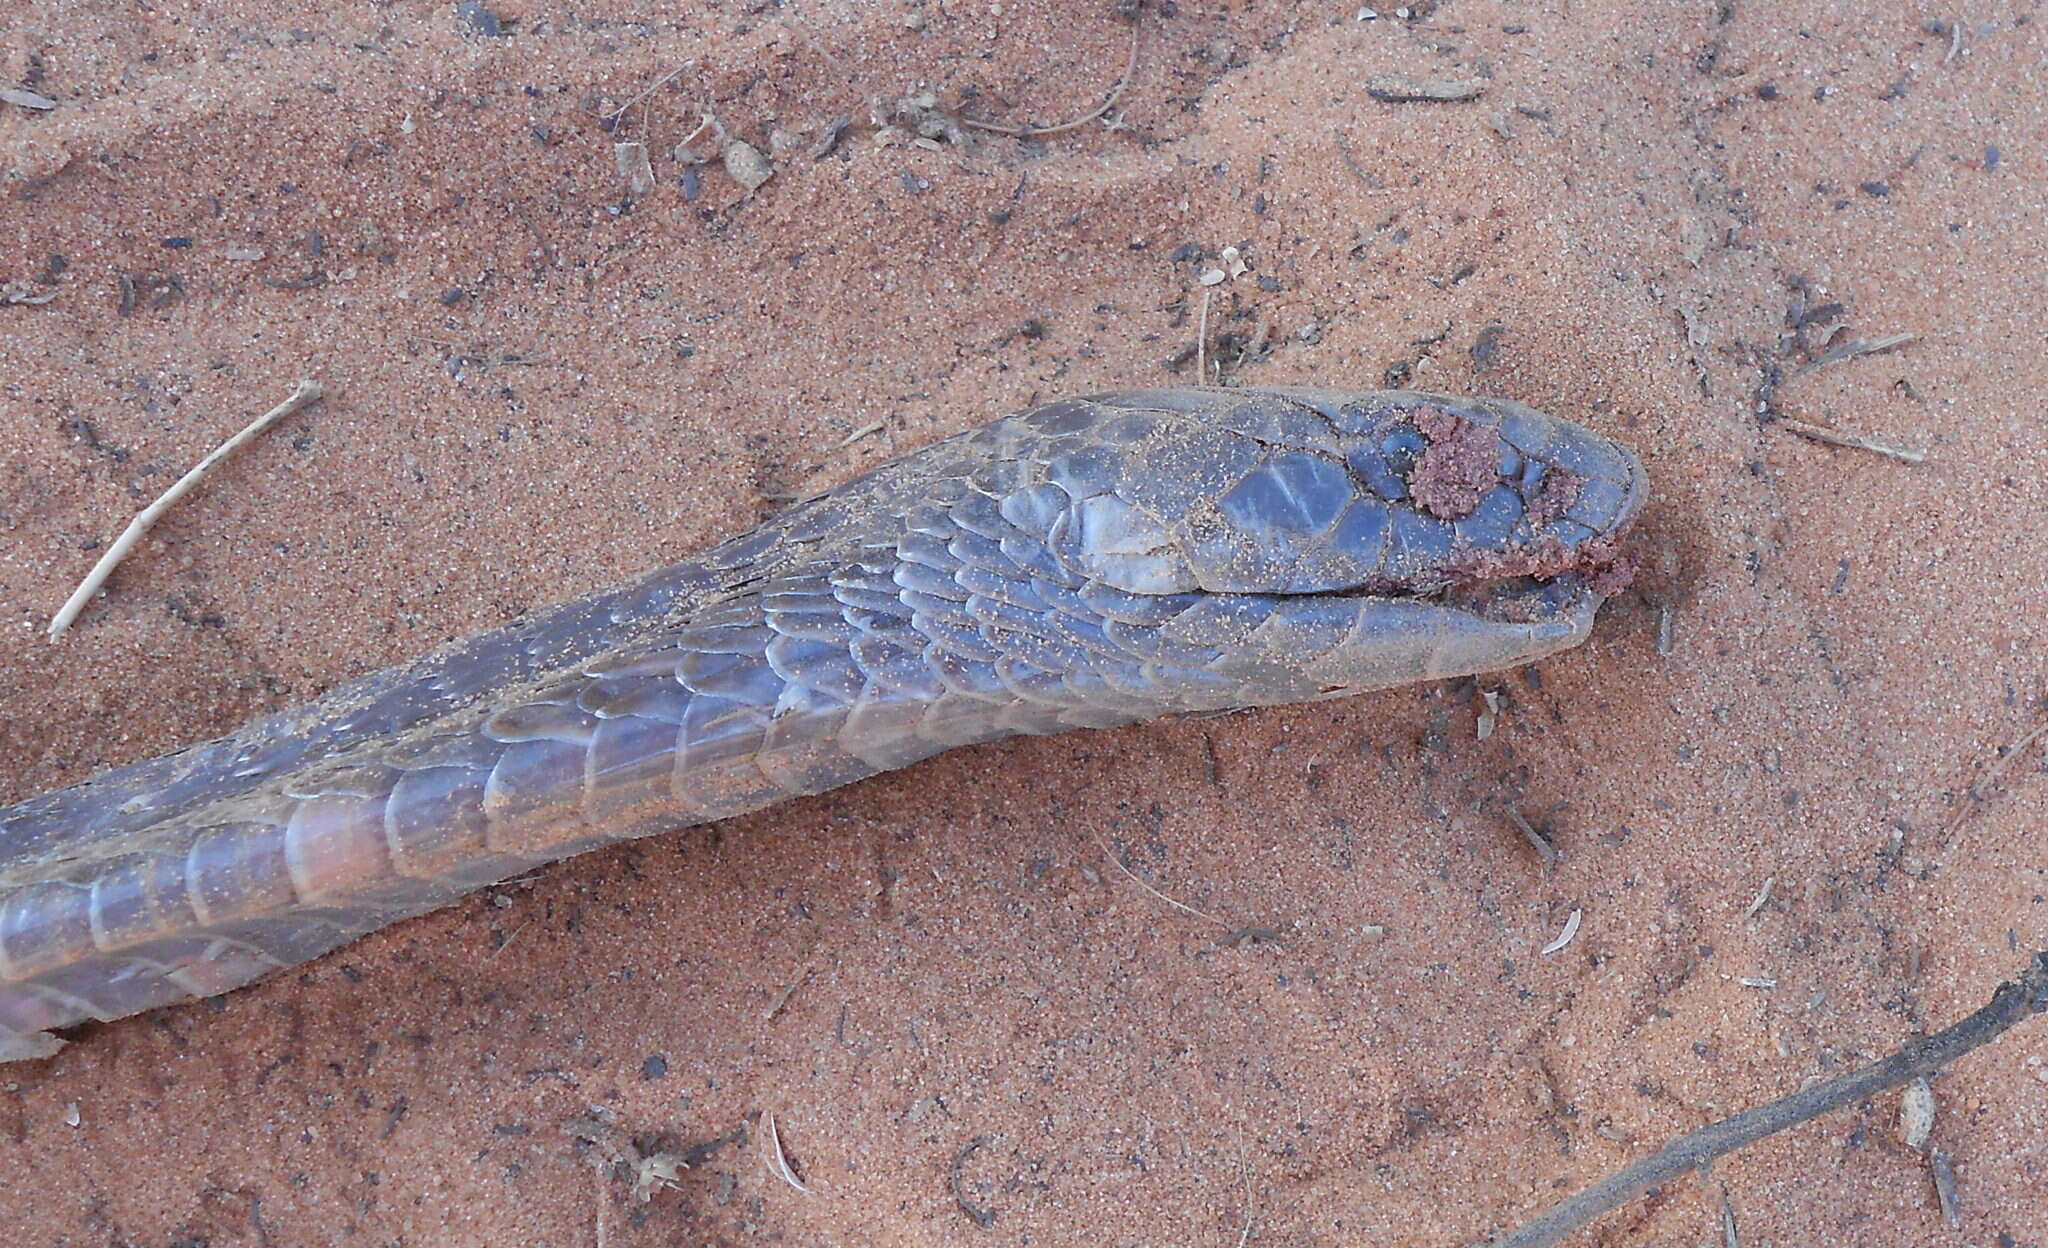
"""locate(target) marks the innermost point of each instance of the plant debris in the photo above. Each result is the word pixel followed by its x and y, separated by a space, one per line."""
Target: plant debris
pixel 1851 349
pixel 21 97
pixel 1394 89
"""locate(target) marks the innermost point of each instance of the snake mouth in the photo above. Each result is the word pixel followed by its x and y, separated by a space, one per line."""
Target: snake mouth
pixel 1534 576
pixel 1549 577
pixel 1499 510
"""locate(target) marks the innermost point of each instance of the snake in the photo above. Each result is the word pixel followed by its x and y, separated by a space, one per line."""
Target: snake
pixel 1093 562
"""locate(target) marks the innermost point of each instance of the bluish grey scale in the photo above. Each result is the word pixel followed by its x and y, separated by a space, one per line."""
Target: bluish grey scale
pixel 1087 472
pixel 1160 643
pixel 977 551
pixel 1116 605
pixel 1362 535
pixel 1567 532
pixel 928 581
pixel 1291 496
pixel 825 621
pixel 1030 555
pixel 1063 416
pixel 540 721
pixel 1416 543
pixel 926 519
pixel 819 666
pixel 1492 520
pixel 1193 467
pixel 982 516
pixel 958 634
pixel 1598 504
pixel 868 592
pixel 1369 464
pixel 1128 428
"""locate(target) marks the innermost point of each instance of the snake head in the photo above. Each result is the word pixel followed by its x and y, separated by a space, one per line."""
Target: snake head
pixel 1377 538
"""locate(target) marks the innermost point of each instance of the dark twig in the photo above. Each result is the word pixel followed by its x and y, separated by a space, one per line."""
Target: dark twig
pixel 983 1218
pixel 2013 1003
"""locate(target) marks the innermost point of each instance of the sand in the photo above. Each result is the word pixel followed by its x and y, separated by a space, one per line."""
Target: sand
pixel 1770 776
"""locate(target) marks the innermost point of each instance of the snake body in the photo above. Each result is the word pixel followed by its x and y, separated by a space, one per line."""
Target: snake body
pixel 1096 561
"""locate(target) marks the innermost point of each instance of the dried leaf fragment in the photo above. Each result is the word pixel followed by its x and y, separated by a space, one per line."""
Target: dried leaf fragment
pixel 1916 1114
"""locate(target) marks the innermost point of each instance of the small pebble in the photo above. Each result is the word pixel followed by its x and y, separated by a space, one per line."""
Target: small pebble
pixel 747 165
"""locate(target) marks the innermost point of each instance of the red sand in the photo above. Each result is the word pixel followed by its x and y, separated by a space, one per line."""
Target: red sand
pixel 955 1008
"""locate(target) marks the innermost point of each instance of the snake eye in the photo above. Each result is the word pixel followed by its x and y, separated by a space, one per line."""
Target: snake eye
pixel 1400 449
pixel 1385 465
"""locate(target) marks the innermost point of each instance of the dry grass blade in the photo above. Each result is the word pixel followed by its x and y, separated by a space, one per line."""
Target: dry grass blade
pixel 1852 349
pixel 1992 777
pixel 1033 132
pixel 1132 876
pixel 1570 932
pixel 657 85
pixel 1854 441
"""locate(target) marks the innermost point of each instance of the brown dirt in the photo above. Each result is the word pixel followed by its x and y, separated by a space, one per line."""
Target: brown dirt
pixel 540 387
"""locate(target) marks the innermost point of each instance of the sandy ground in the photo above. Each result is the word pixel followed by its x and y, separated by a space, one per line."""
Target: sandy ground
pixel 969 1027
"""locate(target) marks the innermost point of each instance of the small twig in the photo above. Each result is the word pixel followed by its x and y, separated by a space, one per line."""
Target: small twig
pixel 1251 1202
pixel 1034 132
pixel 1181 906
pixel 1394 89
pixel 309 391
pixel 788 991
pixel 2015 1001
pixel 1854 441
pixel 1202 339
pixel 1544 847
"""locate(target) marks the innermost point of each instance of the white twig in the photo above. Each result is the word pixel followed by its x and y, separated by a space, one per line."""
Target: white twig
pixel 1571 929
pixel 778 1161
pixel 308 392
